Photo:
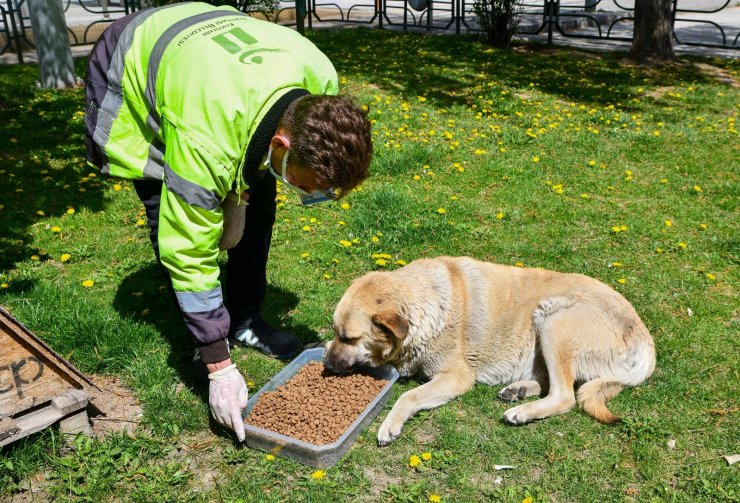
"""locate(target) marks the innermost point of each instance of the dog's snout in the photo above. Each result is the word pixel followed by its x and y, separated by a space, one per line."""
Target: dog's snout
pixel 337 362
pixel 329 364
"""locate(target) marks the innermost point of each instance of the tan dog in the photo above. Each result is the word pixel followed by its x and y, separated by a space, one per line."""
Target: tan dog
pixel 456 321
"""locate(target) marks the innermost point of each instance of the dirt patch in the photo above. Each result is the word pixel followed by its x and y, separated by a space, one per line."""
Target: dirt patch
pixel 659 92
pixel 718 74
pixel 380 481
pixel 114 407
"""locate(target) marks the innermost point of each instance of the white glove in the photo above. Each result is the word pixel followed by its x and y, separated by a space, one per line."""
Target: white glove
pixel 233 221
pixel 227 396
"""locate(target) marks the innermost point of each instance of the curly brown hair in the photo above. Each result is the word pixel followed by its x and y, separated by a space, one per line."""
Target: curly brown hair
pixel 331 135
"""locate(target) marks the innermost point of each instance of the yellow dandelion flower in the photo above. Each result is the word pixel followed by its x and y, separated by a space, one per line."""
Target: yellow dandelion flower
pixel 414 461
pixel 56 228
pixel 417 178
pixel 592 163
pixel 250 384
pixel 35 257
pixel 345 243
pixel 326 276
pixel 65 257
pixel 400 262
pixel 535 159
pixel 668 223
pixel 4 285
pixel 422 99
pixel 270 457
pixel 441 211
pixel 709 276
pixel 345 206
pixel 664 180
pixel 88 283
pixel 305 255
pixel 621 281
pixel 375 239
pixel 698 189
pixel 453 197
pixel 434 498
pixel 40 213
pixel 335 261
pixel 318 475
pixel 623 228
pixel 659 250
pixel 519 264
pixel 681 245
pixel 381 255
pixel 306 228
pixel 381 262
pixel 70 211
pixel 500 215
pixel 528 499
pixel 585 196
pixel 703 227
pixel 616 264
pixel 426 456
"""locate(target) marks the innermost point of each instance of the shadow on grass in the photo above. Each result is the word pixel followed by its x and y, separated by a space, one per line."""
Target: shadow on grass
pixel 143 296
pixel 42 164
pixel 454 70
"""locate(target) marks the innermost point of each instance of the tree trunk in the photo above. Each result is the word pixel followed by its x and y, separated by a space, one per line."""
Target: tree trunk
pixel 52 45
pixel 652 40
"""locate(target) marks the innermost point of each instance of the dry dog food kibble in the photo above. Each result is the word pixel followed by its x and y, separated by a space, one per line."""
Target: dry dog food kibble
pixel 314 405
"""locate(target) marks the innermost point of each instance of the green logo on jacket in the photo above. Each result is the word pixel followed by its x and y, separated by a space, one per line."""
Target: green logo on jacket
pixel 236 40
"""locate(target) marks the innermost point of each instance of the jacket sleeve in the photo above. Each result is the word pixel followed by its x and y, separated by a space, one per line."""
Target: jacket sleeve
pixel 190 226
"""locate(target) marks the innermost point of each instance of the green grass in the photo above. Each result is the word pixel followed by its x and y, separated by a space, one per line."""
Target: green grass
pixel 525 157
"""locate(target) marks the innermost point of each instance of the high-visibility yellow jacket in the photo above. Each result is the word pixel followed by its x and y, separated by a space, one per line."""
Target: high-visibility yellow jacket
pixel 187 86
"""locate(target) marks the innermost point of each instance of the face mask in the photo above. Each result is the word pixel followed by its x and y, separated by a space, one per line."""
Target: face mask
pixel 314 197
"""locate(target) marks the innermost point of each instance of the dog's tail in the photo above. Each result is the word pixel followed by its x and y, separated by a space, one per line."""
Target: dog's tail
pixel 593 395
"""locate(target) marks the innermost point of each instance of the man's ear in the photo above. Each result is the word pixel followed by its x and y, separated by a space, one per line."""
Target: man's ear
pixel 392 323
pixel 280 139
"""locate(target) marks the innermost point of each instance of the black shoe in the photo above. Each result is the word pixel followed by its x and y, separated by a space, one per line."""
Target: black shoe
pixel 258 334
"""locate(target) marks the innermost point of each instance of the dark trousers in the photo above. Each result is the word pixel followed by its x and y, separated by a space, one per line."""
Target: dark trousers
pixel 245 281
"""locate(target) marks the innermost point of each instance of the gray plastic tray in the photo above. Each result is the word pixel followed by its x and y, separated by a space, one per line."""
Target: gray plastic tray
pixel 318 456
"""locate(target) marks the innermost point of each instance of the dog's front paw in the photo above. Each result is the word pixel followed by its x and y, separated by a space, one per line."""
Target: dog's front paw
pixel 513 393
pixel 389 431
pixel 517 416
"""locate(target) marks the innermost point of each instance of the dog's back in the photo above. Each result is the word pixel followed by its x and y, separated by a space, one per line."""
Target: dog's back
pixel 524 320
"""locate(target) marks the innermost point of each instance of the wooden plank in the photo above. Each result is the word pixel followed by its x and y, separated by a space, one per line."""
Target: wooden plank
pixel 43 417
pixel 8 427
pixel 36 346
pixel 27 379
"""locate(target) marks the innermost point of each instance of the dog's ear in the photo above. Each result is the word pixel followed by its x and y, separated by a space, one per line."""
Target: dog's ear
pixel 392 323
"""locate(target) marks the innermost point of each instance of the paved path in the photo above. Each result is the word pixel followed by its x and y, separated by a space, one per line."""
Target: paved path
pixel 703 26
